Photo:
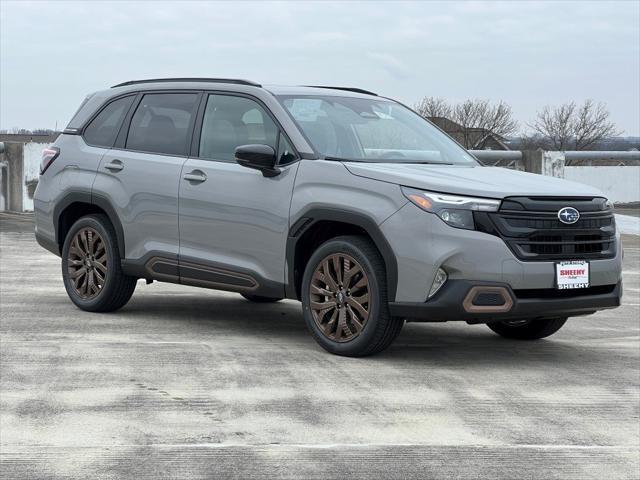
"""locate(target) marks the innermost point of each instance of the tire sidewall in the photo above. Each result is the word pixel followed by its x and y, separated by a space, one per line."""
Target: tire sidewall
pixel 112 256
pixel 362 341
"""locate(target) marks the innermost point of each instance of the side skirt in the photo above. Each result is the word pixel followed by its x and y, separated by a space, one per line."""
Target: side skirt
pixel 188 272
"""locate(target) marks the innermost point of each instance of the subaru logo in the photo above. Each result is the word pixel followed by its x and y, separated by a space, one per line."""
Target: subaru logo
pixel 568 215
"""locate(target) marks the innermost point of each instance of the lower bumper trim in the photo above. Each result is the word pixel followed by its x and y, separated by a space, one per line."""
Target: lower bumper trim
pixel 447 305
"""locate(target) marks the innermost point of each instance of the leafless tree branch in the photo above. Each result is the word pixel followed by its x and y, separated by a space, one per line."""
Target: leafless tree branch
pixel 570 126
pixel 430 107
pixel 476 117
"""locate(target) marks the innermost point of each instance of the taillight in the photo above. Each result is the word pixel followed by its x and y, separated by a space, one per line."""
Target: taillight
pixel 49 154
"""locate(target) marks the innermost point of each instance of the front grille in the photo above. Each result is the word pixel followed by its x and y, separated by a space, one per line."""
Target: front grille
pixel 532 230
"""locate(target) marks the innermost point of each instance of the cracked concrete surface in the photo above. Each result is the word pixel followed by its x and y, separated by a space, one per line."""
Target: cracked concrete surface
pixel 194 383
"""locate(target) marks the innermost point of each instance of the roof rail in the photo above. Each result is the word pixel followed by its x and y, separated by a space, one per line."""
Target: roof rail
pixel 212 80
pixel 348 89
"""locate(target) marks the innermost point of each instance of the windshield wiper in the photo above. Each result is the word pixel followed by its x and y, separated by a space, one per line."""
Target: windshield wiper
pixel 340 159
pixel 386 160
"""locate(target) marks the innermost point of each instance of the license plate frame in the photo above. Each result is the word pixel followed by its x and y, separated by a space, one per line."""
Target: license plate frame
pixel 572 281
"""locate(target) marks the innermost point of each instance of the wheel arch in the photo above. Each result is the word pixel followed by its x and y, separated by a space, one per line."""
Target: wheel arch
pixel 77 204
pixel 318 225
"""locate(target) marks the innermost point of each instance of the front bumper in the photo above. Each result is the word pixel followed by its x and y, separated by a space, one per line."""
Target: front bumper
pixel 448 303
pixel 422 243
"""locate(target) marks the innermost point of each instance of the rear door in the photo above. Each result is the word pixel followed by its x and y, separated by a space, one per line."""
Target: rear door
pixel 140 176
pixel 233 220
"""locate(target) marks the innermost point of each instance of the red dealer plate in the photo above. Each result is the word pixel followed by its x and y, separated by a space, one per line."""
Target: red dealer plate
pixel 572 274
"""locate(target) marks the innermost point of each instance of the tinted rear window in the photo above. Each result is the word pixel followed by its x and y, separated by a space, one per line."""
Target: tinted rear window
pixel 103 129
pixel 162 122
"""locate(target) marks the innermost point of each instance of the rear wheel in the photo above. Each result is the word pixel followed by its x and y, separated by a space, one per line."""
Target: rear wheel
pixel 344 298
pixel 91 269
pixel 260 299
pixel 528 329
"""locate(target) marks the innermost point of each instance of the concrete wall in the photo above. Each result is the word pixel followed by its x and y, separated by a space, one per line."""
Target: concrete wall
pixel 3 187
pixel 11 192
pixel 621 184
pixel 32 156
pixel 19 177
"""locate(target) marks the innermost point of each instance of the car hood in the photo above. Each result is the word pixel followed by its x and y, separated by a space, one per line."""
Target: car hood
pixel 489 182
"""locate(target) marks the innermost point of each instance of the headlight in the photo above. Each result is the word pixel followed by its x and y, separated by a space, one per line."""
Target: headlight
pixel 454 210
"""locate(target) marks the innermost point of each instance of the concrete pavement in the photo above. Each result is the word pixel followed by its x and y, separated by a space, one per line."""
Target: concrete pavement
pixel 194 383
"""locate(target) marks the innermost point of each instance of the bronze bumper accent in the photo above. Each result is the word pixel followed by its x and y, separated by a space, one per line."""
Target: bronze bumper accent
pixel 473 302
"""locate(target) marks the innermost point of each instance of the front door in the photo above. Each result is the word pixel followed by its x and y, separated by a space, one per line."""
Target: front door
pixel 233 220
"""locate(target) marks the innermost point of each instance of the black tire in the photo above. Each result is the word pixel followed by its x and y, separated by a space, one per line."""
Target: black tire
pixel 380 329
pixel 260 299
pixel 531 330
pixel 118 287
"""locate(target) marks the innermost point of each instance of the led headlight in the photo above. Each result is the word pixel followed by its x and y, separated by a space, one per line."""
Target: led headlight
pixel 454 210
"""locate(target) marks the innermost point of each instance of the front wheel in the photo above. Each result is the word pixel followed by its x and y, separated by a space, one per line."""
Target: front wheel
pixel 528 329
pixel 344 298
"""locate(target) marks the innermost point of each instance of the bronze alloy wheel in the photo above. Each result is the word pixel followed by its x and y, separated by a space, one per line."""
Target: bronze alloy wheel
pixel 87 263
pixel 340 297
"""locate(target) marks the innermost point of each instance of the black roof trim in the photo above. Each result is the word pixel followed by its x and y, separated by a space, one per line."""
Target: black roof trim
pixel 348 89
pixel 235 81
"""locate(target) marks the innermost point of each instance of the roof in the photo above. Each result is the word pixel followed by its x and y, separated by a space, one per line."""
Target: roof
pixel 474 137
pixel 95 100
pixel 234 81
pixel 318 90
pixel 231 81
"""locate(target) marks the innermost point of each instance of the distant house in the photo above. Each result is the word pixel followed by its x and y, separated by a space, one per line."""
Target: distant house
pixel 471 138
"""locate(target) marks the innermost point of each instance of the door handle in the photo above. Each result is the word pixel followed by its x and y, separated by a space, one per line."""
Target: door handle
pixel 196 176
pixel 114 166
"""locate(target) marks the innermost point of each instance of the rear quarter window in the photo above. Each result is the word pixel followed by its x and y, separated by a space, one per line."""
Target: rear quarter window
pixel 103 129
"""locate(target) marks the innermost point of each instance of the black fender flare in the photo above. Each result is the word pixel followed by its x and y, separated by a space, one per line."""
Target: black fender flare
pixel 317 214
pixel 85 196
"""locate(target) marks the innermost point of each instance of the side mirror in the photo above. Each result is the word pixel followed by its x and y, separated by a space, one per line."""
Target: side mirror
pixel 1 147
pixel 259 157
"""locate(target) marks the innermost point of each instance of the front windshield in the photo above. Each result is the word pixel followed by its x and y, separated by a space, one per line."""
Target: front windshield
pixel 371 130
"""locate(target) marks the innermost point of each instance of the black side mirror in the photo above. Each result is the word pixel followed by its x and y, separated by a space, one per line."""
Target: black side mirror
pixel 259 157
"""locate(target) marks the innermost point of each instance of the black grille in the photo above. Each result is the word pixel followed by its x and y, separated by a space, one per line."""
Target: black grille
pixel 532 230
pixel 489 299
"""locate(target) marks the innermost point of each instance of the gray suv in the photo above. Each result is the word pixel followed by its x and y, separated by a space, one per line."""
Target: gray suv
pixel 345 200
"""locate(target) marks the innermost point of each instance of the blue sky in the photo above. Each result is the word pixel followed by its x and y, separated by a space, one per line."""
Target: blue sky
pixel 528 54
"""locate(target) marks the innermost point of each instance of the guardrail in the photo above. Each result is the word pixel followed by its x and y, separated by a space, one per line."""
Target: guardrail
pixel 615 173
pixel 500 158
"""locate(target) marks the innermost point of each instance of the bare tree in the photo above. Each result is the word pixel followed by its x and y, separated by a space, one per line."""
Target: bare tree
pixel 570 126
pixel 481 117
pixel 432 107
pixel 474 119
pixel 555 125
pixel 592 124
pixel 533 141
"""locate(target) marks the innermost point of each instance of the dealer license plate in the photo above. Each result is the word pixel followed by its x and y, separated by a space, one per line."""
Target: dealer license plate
pixel 572 274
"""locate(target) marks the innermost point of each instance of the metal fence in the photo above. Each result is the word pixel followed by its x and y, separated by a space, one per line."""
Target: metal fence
pixel 516 159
